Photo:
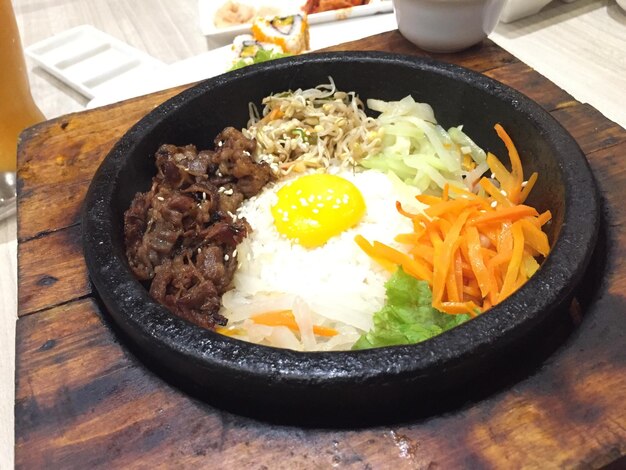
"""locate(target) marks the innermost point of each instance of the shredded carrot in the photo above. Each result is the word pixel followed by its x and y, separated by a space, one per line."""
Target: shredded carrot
pixel 495 193
pixel 506 214
pixel 544 218
pixel 275 113
pixel 528 186
pixel 474 250
pixel 517 173
pixel 286 318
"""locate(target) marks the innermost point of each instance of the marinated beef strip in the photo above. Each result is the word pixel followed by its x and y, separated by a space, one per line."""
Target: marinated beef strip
pixel 181 235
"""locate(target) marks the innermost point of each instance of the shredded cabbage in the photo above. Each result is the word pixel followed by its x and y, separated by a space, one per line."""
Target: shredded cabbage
pixel 419 151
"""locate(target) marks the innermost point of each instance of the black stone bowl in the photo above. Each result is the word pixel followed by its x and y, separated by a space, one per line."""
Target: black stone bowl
pixel 257 379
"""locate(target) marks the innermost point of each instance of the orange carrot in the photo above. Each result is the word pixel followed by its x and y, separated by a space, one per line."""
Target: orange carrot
pixel 286 318
pixel 517 173
pixel 275 113
pixel 544 218
pixel 410 265
pixel 536 238
pixel 528 187
pixel 494 192
pixel 514 265
pixel 504 214
pixel 474 252
pixel 500 173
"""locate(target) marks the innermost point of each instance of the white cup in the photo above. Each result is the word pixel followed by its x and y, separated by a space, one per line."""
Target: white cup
pixel 447 25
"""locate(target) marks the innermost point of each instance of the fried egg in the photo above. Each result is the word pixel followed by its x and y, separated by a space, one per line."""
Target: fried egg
pixel 333 284
pixel 314 208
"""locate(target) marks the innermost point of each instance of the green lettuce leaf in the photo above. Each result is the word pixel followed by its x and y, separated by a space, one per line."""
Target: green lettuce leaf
pixel 408 316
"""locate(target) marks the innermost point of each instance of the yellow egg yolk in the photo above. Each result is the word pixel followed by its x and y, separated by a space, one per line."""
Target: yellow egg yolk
pixel 316 207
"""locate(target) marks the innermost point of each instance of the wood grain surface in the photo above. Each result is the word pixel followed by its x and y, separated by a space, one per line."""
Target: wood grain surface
pixel 84 400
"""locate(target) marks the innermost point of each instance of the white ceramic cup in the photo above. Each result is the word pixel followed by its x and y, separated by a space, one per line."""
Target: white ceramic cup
pixel 447 25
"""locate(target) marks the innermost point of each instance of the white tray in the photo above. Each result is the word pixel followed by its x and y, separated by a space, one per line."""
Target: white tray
pixel 208 8
pixel 91 61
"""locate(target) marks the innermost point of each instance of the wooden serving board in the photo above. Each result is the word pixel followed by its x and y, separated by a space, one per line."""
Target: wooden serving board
pixel 84 400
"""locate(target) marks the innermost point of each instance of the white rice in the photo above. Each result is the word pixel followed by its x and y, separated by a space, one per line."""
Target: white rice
pixel 336 285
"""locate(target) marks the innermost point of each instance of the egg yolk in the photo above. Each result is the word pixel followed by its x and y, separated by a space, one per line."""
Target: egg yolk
pixel 316 207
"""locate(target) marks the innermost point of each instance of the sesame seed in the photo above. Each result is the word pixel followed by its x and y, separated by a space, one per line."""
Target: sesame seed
pixel 221 189
pixel 311 198
pixel 220 143
pixel 246 153
pixel 493 176
pixel 294 207
pixel 338 201
pixel 249 257
pixel 316 211
pixel 199 251
pixel 226 257
pixel 280 211
pixel 234 252
pixel 303 202
pixel 160 198
pixel 494 203
pixel 503 192
pixel 228 192
pixel 335 206
pixel 320 204
pixel 524 184
pixel 204 196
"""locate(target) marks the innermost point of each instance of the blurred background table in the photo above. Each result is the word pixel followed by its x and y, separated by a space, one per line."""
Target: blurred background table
pixel 580 46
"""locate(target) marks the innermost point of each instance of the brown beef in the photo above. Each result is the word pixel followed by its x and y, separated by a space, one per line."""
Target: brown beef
pixel 182 233
pixel 233 159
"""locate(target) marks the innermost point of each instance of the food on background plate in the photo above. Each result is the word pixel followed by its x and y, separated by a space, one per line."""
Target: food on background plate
pixel 290 33
pixel 248 51
pixel 366 232
pixel 318 6
pixel 271 38
pixel 233 13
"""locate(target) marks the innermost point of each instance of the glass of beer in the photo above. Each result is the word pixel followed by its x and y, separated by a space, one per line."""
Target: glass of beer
pixel 17 108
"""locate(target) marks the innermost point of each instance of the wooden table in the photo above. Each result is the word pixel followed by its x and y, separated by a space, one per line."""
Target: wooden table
pixel 84 400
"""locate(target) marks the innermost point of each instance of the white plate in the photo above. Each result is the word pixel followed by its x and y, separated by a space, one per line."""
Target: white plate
pixel 215 35
pixel 194 69
pixel 92 62
pixel 218 61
